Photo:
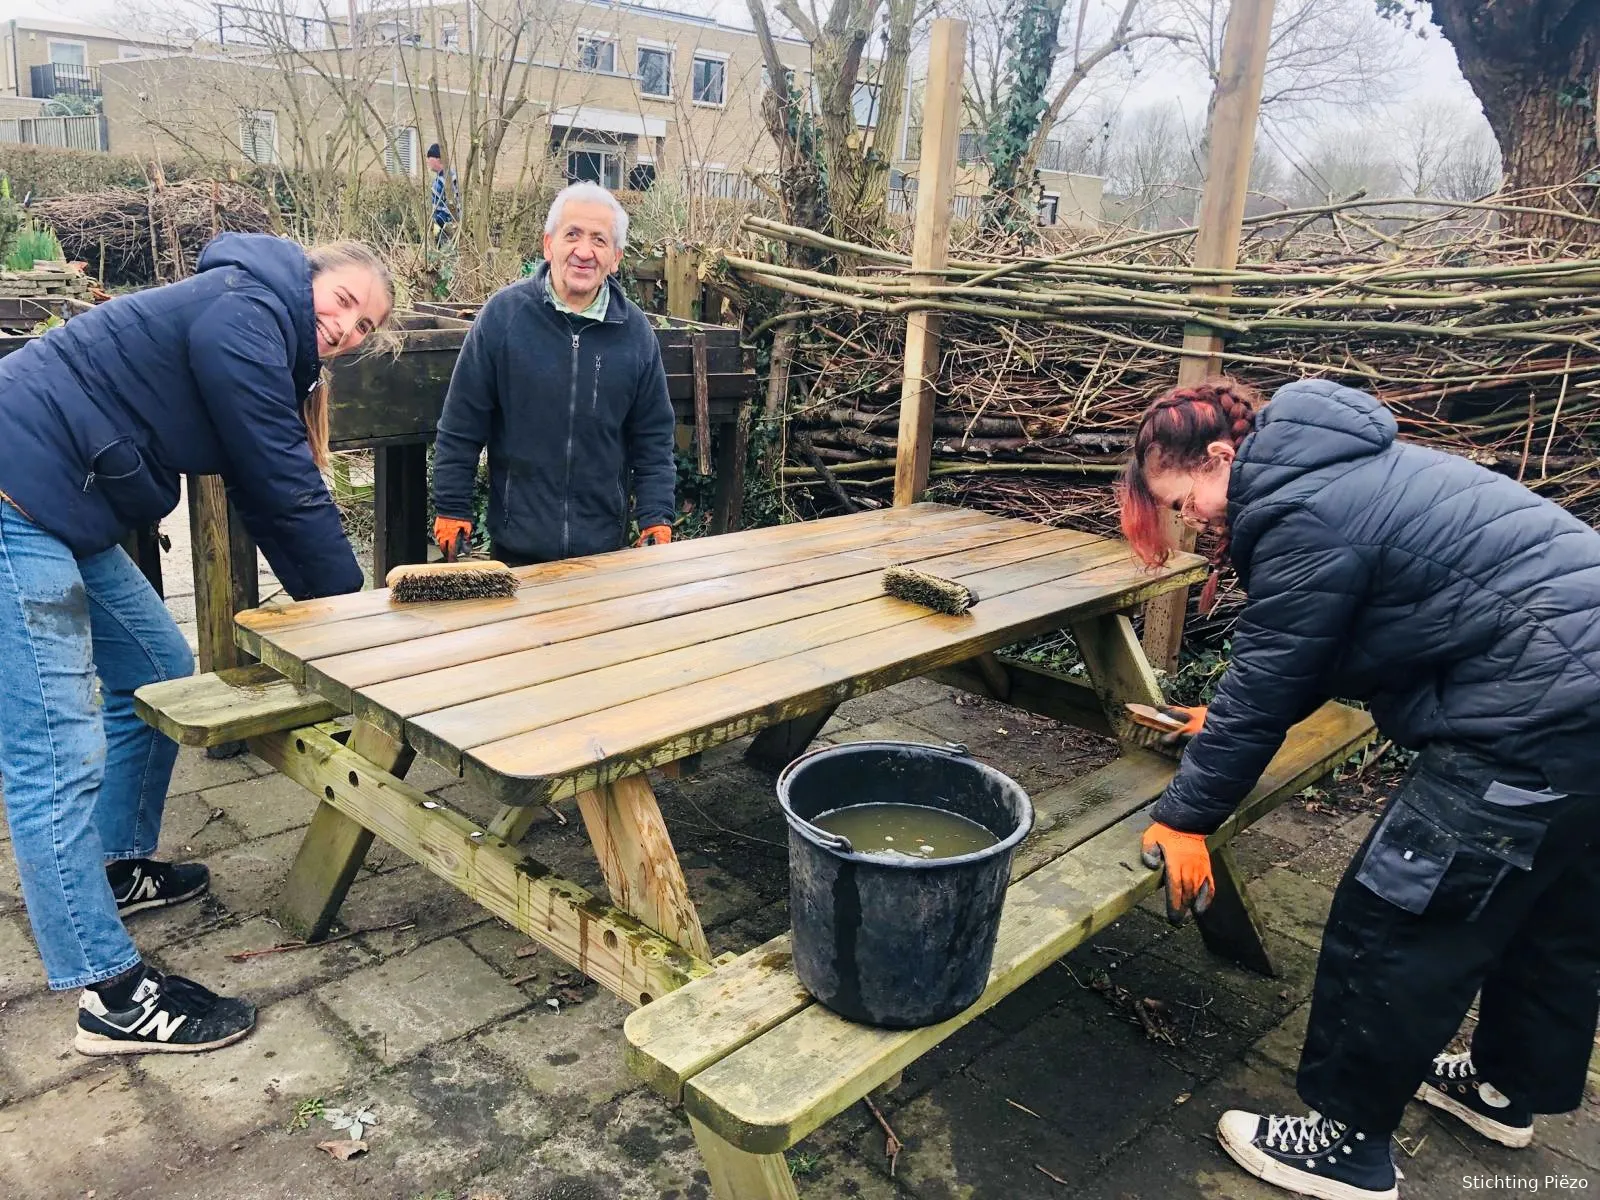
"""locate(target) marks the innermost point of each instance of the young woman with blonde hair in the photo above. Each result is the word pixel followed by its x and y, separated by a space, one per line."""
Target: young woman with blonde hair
pixel 218 374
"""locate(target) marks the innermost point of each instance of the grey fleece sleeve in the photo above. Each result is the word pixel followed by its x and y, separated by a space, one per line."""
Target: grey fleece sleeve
pixel 467 417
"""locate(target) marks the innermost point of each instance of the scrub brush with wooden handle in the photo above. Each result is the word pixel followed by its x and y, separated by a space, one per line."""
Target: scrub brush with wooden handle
pixel 942 595
pixel 453 579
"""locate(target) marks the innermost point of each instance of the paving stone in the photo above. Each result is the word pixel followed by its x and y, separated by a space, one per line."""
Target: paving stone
pixel 248 877
pixel 21 972
pixel 188 830
pixel 94 1133
pixel 1290 822
pixel 891 729
pixel 1162 1165
pixel 1254 1086
pixel 1295 905
pixel 923 691
pixel 1324 862
pixel 1296 964
pixel 1281 1045
pixel 718 896
pixel 36 1042
pixel 10 882
pixel 408 896
pixel 573 1057
pixel 1355 830
pixel 271 1165
pixel 428 776
pixel 579 1164
pixel 654 1137
pixel 290 1056
pixel 733 796
pixel 839 1175
pixel 448 1115
pixel 264 978
pixel 1060 1059
pixel 874 706
pixel 1575 1134
pixel 264 805
pixel 1257 853
pixel 431 995
pixel 194 772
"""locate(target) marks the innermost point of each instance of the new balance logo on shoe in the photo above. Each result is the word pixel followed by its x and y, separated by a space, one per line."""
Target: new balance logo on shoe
pixel 166 1014
pixel 141 883
pixel 145 887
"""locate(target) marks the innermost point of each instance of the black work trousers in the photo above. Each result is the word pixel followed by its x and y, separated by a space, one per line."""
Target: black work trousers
pixel 1455 894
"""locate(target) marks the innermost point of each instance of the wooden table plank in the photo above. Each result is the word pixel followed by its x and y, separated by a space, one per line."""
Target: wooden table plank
pixel 276 620
pixel 530 650
pixel 560 759
pixel 289 650
pixel 505 713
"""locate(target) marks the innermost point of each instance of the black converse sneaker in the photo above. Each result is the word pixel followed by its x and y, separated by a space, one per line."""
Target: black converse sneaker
pixel 1455 1087
pixel 166 1014
pixel 141 883
pixel 1311 1155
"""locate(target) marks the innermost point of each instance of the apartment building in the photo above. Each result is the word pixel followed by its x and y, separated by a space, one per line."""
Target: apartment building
pixel 45 58
pixel 619 93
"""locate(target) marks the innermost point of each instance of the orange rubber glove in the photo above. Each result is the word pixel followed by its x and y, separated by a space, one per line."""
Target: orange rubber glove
pixel 1187 868
pixel 655 535
pixel 1176 723
pixel 452 533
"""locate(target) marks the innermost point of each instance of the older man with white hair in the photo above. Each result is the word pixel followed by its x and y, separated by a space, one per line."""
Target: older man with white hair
pixel 561 379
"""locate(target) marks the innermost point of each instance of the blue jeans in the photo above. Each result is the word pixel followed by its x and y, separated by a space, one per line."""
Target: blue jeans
pixel 85 779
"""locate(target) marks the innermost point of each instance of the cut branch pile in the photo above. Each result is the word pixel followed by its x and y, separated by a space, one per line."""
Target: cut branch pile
pixel 153 234
pixel 1480 343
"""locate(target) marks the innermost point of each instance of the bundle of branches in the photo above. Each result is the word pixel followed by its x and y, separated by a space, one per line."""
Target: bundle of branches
pixel 133 236
pixel 1477 345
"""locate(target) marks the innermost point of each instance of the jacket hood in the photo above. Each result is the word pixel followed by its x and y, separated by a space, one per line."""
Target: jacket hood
pixel 282 266
pixel 1307 426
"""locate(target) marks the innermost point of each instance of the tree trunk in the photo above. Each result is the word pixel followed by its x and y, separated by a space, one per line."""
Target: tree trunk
pixel 1535 67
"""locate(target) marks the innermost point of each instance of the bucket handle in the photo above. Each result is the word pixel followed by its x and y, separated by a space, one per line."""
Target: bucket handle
pixel 833 841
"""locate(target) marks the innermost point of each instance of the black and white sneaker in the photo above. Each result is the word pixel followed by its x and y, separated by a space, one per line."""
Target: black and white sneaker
pixel 141 883
pixel 1311 1155
pixel 1455 1087
pixel 167 1015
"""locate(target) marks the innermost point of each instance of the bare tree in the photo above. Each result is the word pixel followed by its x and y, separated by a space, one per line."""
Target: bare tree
pixel 1324 54
pixel 1342 160
pixel 1153 169
pixel 1472 169
pixel 1440 147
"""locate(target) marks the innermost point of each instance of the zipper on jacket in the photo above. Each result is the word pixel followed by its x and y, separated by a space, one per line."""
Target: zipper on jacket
pixel 572 421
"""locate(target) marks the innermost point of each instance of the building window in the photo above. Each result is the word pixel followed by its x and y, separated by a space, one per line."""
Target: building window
pixel 69 54
pixel 1049 209
pixel 710 80
pixel 595 166
pixel 597 54
pixel 449 37
pixel 642 177
pixel 258 135
pixel 655 71
pixel 864 100
pixel 400 155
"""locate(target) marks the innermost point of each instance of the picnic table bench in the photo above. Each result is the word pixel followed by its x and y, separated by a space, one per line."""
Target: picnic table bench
pixel 600 668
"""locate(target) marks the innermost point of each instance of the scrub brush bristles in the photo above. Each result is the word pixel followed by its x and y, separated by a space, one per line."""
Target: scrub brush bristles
pixel 941 595
pixel 426 583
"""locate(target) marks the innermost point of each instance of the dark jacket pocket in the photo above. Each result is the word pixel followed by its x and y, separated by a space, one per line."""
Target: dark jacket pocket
pixel 136 492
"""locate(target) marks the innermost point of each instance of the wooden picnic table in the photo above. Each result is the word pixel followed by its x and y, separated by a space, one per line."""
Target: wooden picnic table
pixel 599 668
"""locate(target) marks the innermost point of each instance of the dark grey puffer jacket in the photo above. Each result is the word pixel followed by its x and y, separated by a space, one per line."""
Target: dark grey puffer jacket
pixel 1461 607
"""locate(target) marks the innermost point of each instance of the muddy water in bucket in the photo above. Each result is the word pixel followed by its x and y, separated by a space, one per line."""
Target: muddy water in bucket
pixel 917 830
pixel 897 938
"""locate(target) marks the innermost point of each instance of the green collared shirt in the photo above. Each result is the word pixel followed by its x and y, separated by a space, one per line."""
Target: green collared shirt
pixel 597 307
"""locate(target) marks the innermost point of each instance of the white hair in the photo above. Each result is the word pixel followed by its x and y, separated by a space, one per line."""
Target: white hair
pixel 590 193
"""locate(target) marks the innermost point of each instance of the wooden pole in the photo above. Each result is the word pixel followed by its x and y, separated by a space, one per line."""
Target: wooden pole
pixel 683 281
pixel 224 571
pixel 936 178
pixel 1237 104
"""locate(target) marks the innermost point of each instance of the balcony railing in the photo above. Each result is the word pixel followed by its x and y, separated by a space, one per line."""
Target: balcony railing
pixel 68 133
pixel 64 79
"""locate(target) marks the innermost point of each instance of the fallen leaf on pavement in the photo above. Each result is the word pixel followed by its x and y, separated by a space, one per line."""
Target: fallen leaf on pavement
pixel 343 1151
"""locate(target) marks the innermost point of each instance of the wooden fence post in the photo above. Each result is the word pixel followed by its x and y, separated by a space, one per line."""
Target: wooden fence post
pixel 225 579
pixel 1233 138
pixel 683 281
pixel 399 507
pixel 941 129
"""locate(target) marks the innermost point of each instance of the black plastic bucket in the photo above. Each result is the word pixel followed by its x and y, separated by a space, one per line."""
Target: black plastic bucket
pixel 890 940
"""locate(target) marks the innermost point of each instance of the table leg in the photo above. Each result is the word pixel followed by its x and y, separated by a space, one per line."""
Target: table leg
pixel 335 846
pixel 639 864
pixel 739 1175
pixel 1230 927
pixel 1119 671
pixel 776 746
pixel 512 822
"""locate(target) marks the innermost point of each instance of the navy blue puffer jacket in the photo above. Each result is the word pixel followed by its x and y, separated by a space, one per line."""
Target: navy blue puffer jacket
pixel 99 417
pixel 1461 607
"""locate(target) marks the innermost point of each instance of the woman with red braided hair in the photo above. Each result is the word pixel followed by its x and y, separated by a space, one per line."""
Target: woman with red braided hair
pixel 1465 611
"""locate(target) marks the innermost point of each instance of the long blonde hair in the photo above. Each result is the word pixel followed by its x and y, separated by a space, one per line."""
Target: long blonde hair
pixel 314 408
